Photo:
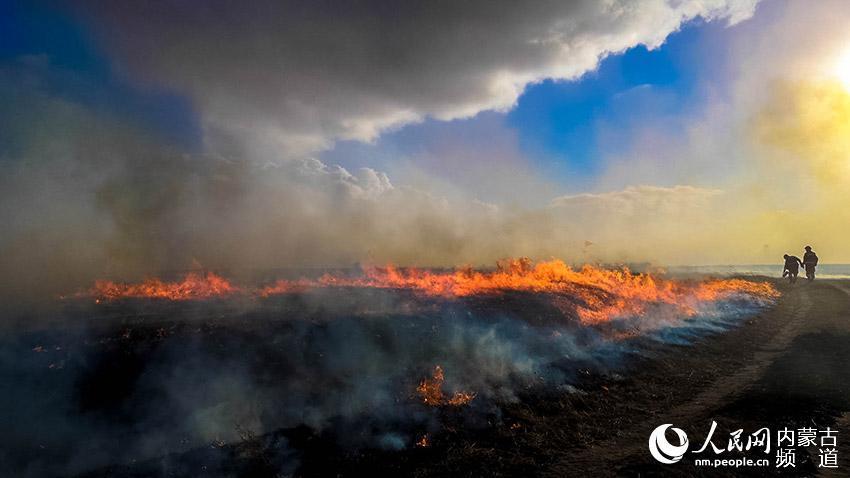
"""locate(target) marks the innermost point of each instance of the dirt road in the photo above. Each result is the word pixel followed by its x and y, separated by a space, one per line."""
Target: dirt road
pixel 789 367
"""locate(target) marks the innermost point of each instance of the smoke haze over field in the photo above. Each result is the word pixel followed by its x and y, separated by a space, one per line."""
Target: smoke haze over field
pixel 126 381
pixel 141 137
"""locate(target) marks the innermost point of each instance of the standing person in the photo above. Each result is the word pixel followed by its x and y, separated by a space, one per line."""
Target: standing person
pixel 810 261
pixel 792 267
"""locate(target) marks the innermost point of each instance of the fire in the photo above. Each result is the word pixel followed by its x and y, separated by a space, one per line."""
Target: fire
pixel 284 287
pixel 431 391
pixel 193 286
pixel 423 442
pixel 593 294
pixel 460 398
pixel 598 294
pixel 718 289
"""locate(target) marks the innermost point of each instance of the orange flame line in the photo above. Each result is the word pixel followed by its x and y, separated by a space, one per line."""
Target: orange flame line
pixel 596 294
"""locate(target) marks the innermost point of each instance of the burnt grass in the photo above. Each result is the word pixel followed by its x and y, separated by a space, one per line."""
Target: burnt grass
pixel 558 431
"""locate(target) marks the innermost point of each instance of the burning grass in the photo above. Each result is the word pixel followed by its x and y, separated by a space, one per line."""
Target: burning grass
pixel 431 391
pixel 596 294
pixel 350 360
pixel 193 286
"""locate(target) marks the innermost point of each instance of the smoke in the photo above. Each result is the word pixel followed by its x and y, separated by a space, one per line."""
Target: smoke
pixel 770 136
pixel 794 112
pixel 86 198
pixel 87 192
pixel 88 195
pixel 181 376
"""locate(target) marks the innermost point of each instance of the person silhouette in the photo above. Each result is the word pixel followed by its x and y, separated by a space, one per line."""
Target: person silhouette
pixel 792 267
pixel 810 261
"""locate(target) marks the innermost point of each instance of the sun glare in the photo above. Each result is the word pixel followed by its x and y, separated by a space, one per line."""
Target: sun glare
pixel 842 69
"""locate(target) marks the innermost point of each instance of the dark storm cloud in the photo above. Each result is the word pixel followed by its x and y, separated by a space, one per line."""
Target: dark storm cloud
pixel 291 77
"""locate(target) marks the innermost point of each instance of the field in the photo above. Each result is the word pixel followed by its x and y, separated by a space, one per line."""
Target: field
pixel 344 382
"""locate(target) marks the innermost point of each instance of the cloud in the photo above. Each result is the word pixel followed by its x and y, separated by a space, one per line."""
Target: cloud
pixel 636 199
pixel 88 194
pixel 288 78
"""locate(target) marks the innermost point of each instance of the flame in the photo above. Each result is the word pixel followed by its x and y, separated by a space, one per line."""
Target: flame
pixel 598 294
pixel 719 289
pixel 431 391
pixel 460 398
pixel 423 442
pixel 594 294
pixel 285 287
pixel 193 286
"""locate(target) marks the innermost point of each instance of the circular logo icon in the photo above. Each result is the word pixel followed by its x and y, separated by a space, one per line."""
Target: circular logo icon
pixel 664 451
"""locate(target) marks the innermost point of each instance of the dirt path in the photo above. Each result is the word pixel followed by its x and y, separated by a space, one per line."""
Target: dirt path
pixel 819 308
pixel 843 422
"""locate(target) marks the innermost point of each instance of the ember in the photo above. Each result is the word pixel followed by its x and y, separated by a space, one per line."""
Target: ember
pixel 423 442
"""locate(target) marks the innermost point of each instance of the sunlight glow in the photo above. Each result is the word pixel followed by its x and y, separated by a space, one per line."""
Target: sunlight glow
pixel 842 69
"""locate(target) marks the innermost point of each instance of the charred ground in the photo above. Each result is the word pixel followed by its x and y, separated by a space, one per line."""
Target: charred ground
pixel 780 367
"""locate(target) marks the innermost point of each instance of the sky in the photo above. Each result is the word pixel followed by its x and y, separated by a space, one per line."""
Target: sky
pixel 141 137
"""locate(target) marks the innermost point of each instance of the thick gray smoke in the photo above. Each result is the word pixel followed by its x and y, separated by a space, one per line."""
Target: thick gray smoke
pixel 80 206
